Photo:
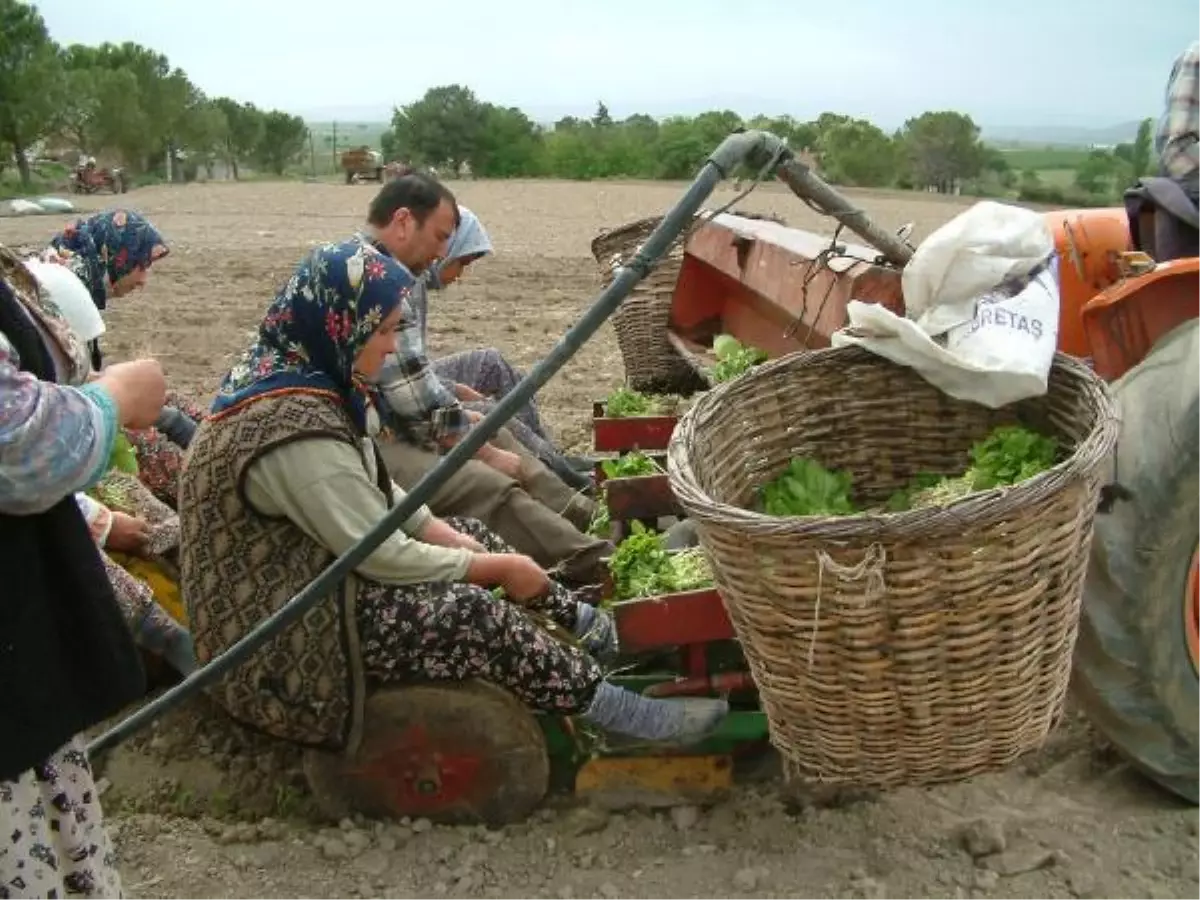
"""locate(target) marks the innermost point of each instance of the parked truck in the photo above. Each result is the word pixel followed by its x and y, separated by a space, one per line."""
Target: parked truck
pixel 362 164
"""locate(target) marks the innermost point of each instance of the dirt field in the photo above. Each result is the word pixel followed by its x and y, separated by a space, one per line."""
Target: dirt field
pixel 187 799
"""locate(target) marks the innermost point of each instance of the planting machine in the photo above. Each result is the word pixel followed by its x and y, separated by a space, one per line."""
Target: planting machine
pixel 472 752
pixel 1128 307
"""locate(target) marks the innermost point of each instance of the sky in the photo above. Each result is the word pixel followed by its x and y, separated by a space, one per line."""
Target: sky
pixel 1079 63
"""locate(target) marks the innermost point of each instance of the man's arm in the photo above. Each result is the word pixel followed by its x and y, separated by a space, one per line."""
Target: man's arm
pixel 414 392
pixel 1177 134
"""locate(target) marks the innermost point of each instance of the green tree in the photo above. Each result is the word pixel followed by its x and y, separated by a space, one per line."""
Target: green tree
pixel 31 81
pixel 1142 148
pixel 942 149
pixel 443 126
pixel 1098 173
pixel 244 131
pixel 507 145
pixel 601 118
pixel 204 131
pixel 283 138
pixel 855 152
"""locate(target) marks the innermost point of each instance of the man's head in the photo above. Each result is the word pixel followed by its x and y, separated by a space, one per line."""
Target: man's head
pixel 414 217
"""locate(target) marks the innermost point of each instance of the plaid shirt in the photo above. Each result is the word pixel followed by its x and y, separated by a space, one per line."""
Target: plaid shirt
pixel 1178 130
pixel 424 409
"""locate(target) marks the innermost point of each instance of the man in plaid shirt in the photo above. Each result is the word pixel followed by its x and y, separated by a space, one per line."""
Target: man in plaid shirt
pixel 507 488
pixel 1178 131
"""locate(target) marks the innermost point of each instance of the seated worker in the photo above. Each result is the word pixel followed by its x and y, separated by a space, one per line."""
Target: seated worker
pixel 1179 128
pixel 111 254
pixel 130 537
pixel 481 377
pixel 1173 229
pixel 284 475
pixel 506 486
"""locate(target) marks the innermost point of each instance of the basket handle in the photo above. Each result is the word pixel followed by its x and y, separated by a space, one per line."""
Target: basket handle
pixel 869 567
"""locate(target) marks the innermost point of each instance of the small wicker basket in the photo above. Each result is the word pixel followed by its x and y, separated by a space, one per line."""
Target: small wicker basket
pixel 905 648
pixel 651 363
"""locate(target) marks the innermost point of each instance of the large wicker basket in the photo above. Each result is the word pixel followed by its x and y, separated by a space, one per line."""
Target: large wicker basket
pixel 904 648
pixel 651 363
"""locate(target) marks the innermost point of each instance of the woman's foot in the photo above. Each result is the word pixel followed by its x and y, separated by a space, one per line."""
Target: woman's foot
pixel 679 721
pixel 597 631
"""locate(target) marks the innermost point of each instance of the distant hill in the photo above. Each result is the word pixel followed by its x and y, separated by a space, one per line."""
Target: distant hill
pixel 366 131
pixel 1060 135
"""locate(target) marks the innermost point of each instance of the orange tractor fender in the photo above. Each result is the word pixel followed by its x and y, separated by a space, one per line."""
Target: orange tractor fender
pixel 1114 301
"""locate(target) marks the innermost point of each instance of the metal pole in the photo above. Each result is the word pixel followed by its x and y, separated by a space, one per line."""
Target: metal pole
pixel 755 145
pixel 806 185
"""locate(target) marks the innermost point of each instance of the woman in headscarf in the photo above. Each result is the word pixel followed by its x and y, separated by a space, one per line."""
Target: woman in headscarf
pixel 67 660
pixel 136 533
pixel 285 475
pixel 111 253
pixel 480 378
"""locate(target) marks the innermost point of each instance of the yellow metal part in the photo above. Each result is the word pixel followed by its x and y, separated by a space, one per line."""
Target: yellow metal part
pixel 1134 263
pixel 654 780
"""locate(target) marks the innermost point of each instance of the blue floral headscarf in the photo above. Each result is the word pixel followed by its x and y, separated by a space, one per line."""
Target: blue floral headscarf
pixel 316 326
pixel 106 247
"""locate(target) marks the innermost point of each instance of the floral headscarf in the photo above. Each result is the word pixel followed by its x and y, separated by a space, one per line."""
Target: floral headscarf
pixel 104 248
pixel 316 326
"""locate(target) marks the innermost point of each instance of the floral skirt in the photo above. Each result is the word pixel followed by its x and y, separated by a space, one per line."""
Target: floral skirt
pixel 159 458
pixel 455 631
pixel 52 837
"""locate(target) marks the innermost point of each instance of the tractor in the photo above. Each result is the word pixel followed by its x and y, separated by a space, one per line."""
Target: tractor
pixel 90 179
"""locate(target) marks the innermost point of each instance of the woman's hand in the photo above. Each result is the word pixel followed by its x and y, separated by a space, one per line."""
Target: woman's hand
pixel 521 577
pixel 467 394
pixel 128 534
pixel 139 389
pixel 440 532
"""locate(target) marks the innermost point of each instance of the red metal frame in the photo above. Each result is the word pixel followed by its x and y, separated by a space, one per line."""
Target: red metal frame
pixel 640 497
pixel 634 433
pixel 672 620
pixel 762 282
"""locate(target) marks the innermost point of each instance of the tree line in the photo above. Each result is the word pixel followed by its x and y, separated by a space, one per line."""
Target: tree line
pixel 127 102
pixel 939 151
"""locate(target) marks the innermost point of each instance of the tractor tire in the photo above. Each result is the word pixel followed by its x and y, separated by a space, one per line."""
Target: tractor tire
pixel 452 752
pixel 349 177
pixel 1135 670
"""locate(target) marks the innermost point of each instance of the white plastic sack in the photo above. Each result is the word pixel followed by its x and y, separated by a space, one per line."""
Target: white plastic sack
pixel 968 256
pixel 984 325
pixel 55 205
pixel 23 208
pixel 71 296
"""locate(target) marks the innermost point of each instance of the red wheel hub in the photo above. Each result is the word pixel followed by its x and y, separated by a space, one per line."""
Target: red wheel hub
pixel 1191 610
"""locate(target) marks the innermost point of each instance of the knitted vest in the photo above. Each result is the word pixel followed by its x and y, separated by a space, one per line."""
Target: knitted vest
pixel 238 566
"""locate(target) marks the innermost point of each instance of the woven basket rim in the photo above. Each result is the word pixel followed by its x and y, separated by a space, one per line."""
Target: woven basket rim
pixel 977 508
pixel 629 227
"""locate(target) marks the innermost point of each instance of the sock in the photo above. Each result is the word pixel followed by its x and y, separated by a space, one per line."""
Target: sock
pixel 178 428
pixel 597 630
pixel 683 720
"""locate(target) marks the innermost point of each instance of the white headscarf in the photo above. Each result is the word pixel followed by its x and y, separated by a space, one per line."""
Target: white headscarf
pixel 469 240
pixel 71 296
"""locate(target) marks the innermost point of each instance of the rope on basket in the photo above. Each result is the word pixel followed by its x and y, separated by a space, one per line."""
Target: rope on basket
pixel 869 567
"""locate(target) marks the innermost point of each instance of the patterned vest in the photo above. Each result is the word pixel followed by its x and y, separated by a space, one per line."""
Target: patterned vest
pixel 238 566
